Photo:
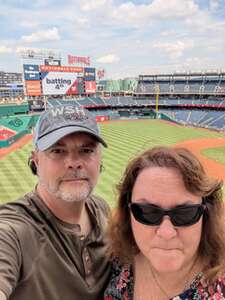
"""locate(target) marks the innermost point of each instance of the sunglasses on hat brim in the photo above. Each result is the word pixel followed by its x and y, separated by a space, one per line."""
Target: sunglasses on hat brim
pixel 149 214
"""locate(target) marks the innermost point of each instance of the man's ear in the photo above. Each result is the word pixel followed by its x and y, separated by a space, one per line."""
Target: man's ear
pixel 102 168
pixel 34 157
pixel 32 163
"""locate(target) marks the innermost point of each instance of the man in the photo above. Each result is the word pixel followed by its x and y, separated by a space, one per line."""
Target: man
pixel 52 240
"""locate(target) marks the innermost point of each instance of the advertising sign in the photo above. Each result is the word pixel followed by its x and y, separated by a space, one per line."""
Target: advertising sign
pixel 89 74
pixel 52 62
pixel 59 83
pixel 31 72
pixel 90 87
pixel 77 88
pixel 101 73
pixel 79 70
pixel 33 87
pixel 72 60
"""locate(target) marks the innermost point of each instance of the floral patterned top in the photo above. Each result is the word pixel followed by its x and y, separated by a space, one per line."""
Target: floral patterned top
pixel 121 286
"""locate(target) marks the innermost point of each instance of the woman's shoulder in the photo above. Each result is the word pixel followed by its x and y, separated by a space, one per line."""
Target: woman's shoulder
pixel 121 282
pixel 199 289
pixel 215 289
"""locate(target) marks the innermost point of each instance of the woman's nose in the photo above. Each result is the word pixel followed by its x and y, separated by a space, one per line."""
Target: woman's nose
pixel 166 229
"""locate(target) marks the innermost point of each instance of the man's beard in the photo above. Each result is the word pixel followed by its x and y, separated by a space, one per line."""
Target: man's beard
pixel 79 194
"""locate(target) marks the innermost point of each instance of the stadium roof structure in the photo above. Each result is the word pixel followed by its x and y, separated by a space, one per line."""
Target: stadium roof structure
pixel 208 73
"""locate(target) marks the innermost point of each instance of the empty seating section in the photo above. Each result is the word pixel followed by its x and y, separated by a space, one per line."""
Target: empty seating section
pixel 210 116
pixel 183 85
pixel 53 102
pixel 98 101
pixel 124 101
pixel 182 115
pixel 210 86
pixel 208 119
pixel 164 87
pixel 145 87
pixel 85 102
pixel 194 87
pixel 167 112
pixel 219 122
pixel 113 101
pixel 179 87
pixel 197 117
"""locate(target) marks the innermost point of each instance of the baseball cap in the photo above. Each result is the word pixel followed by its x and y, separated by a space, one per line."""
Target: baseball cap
pixel 61 120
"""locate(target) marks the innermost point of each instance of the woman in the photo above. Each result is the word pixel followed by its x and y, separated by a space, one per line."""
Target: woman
pixel 168 231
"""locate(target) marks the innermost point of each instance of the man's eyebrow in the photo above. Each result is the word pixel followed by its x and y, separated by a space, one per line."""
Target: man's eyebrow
pixel 57 144
pixel 92 144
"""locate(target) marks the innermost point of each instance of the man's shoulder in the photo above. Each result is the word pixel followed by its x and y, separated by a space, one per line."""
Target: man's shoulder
pixel 21 219
pixel 18 205
pixel 18 212
pixel 100 204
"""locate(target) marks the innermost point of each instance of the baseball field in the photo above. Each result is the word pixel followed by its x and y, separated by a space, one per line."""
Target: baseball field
pixel 125 139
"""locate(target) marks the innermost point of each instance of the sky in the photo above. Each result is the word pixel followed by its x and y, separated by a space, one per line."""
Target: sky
pixel 125 38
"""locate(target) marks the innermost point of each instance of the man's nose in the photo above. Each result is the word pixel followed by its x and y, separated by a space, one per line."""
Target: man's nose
pixel 74 160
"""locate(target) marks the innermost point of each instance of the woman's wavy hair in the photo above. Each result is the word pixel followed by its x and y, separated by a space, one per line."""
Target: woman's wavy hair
pixel 196 181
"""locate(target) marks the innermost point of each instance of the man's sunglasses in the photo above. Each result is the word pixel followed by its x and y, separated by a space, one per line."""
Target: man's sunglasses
pixel 150 214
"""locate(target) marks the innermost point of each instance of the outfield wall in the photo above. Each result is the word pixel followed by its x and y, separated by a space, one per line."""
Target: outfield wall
pixel 13 109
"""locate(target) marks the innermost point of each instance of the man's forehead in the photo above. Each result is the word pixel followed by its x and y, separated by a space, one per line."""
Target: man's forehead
pixel 78 138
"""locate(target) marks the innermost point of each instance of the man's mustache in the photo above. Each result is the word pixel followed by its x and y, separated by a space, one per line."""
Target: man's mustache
pixel 76 175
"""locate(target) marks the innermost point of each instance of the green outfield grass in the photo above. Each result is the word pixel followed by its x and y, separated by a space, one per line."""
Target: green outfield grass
pixel 217 154
pixel 125 139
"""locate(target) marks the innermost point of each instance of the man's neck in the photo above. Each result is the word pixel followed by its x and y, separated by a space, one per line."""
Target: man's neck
pixel 69 212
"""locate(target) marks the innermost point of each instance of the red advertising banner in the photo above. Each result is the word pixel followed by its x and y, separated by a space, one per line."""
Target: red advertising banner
pixel 72 60
pixel 44 68
pixel 101 73
pixel 102 118
pixel 33 87
pixel 90 87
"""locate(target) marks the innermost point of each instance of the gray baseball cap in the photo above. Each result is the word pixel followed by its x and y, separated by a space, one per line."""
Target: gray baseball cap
pixel 61 120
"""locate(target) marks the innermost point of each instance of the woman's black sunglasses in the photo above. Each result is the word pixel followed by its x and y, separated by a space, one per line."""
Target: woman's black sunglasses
pixel 150 214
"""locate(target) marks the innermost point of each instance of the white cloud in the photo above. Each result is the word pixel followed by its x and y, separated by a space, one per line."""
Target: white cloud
pixel 159 9
pixel 144 36
pixel 168 33
pixel 173 8
pixel 82 21
pixel 42 36
pixel 5 49
pixel 174 49
pixel 92 5
pixel 108 59
pixel 29 24
pixel 214 4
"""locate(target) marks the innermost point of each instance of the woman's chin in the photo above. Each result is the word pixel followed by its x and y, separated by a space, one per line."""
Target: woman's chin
pixel 167 260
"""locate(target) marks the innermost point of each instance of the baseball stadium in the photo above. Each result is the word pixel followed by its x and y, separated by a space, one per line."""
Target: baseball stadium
pixel 180 109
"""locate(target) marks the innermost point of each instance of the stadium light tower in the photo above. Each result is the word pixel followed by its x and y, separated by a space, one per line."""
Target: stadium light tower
pixel 38 54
